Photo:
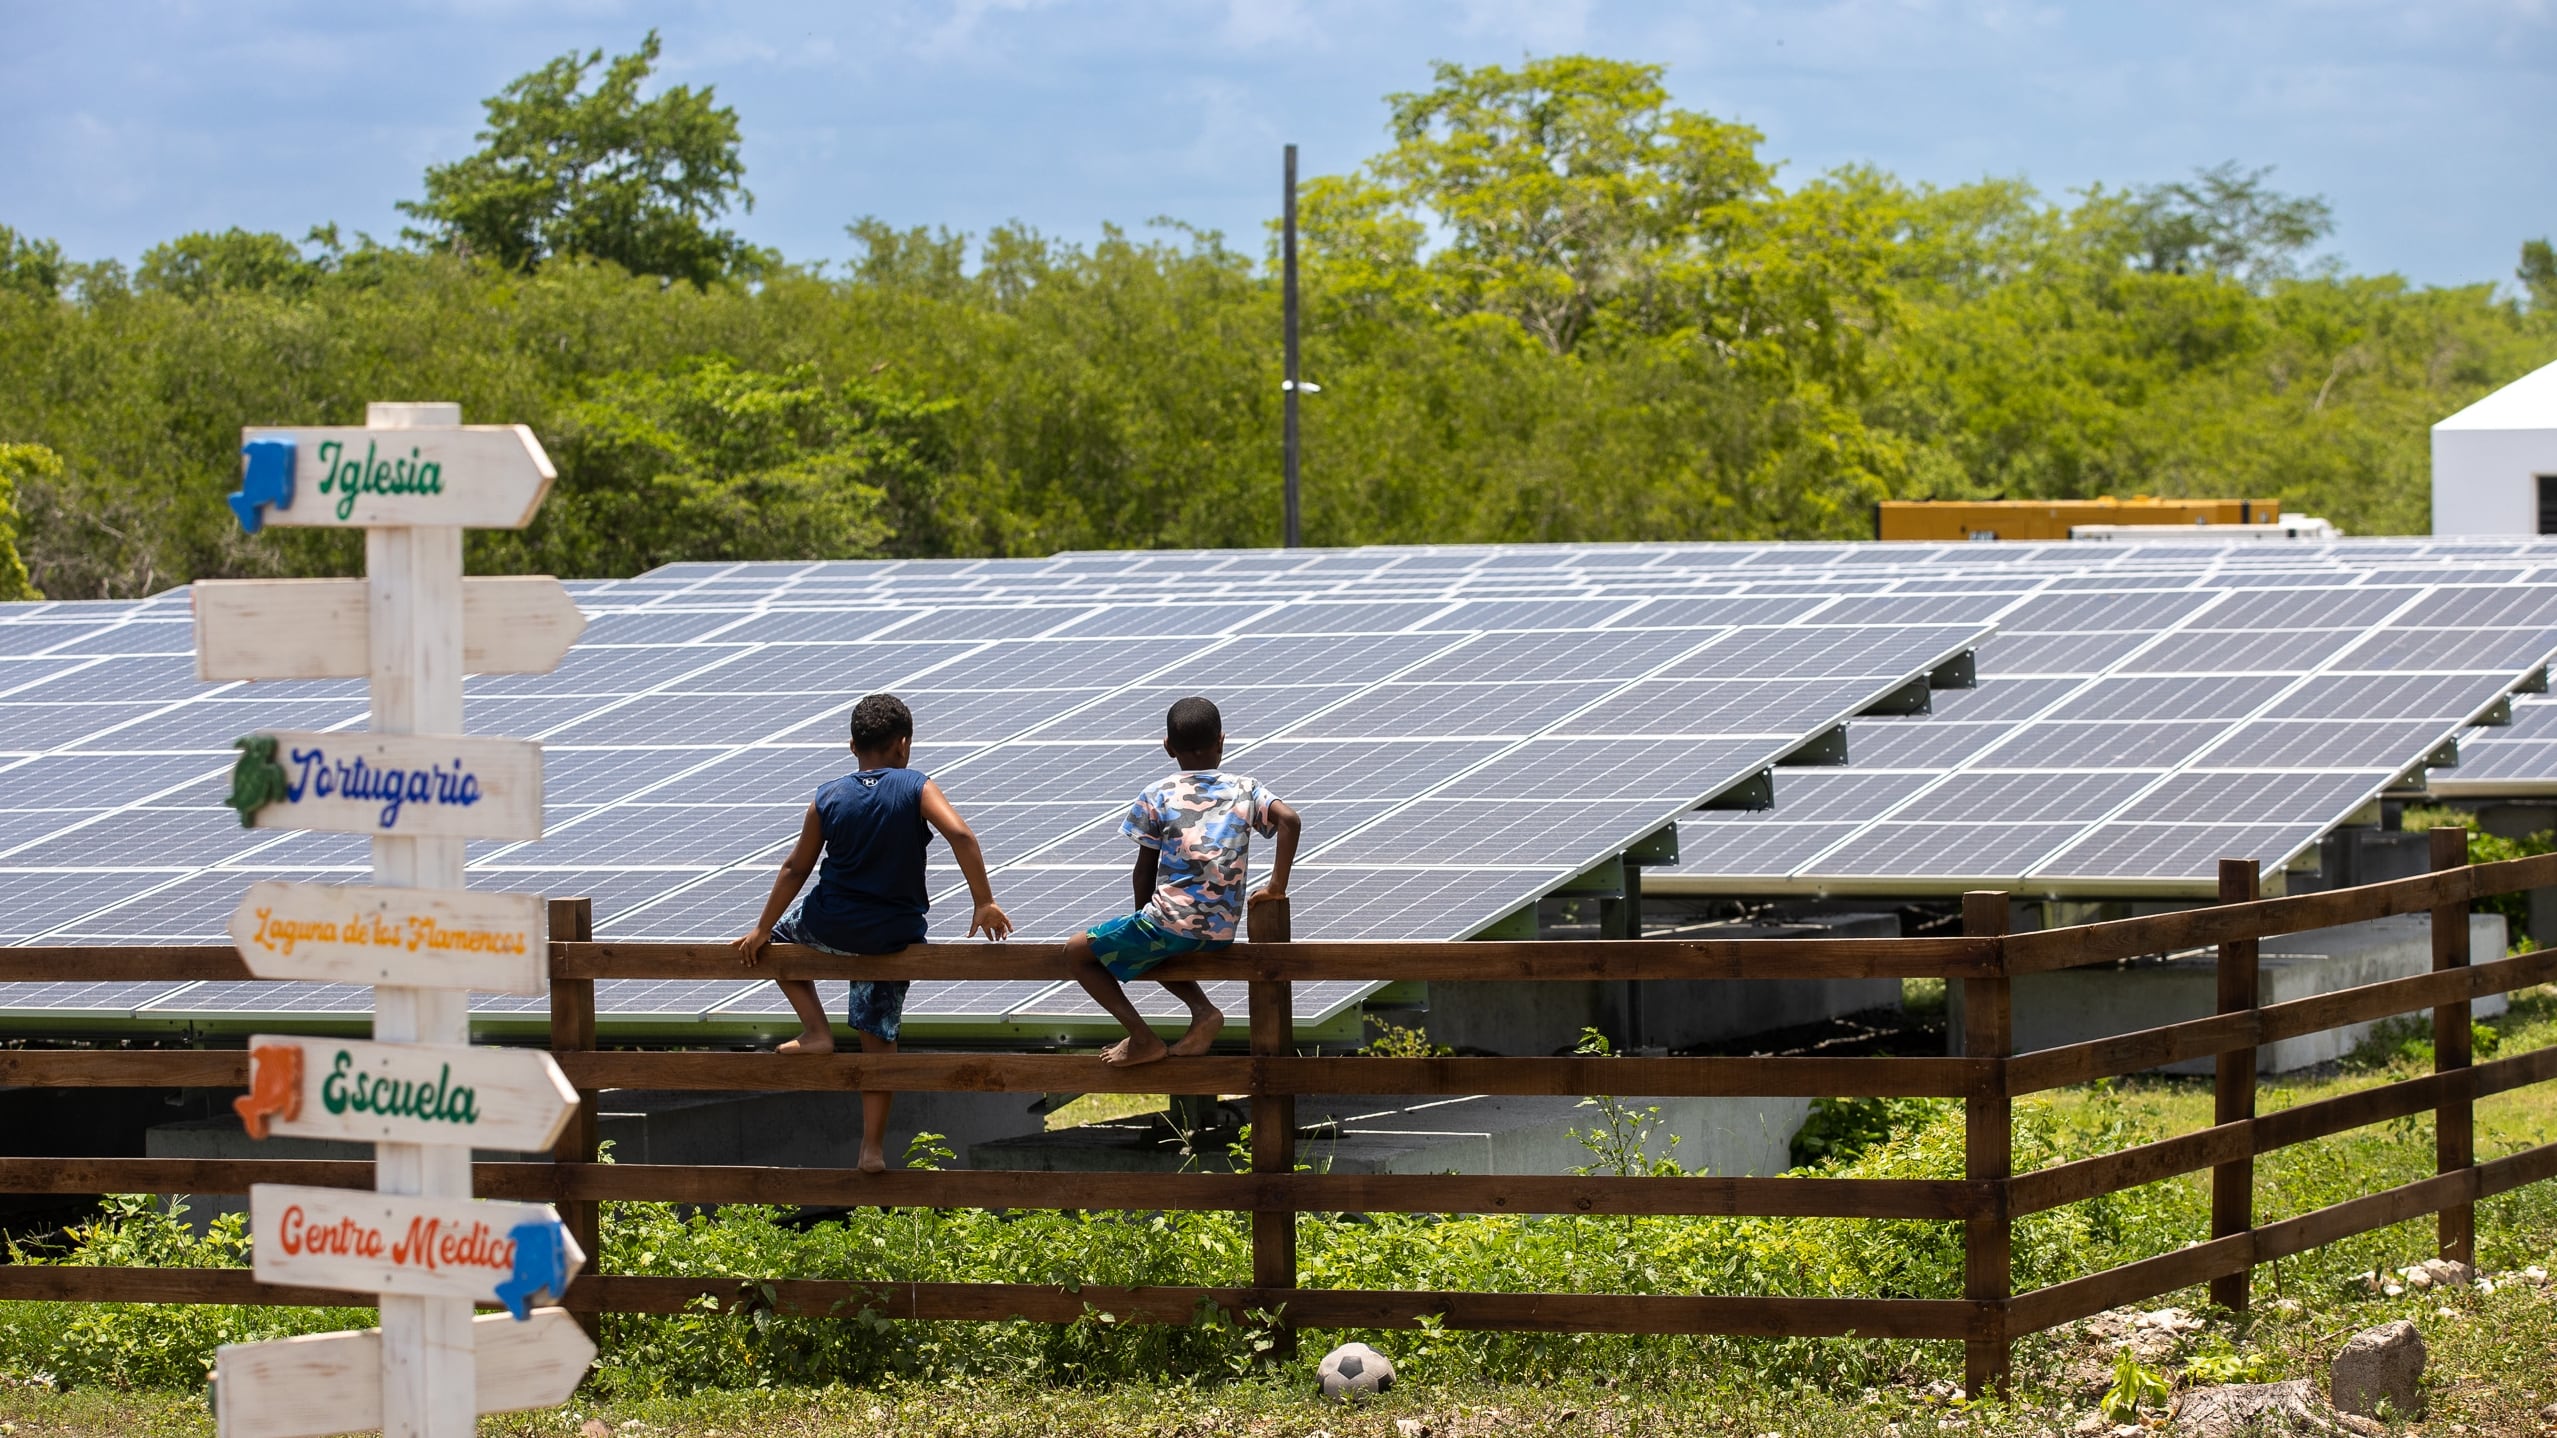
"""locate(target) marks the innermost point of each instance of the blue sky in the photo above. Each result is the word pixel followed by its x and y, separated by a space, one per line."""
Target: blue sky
pixel 2425 122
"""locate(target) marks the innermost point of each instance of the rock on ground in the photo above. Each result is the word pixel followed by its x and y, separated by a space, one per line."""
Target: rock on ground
pixel 2383 1362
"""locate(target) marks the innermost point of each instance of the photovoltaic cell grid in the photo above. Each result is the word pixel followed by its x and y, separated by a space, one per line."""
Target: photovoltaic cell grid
pixel 2126 741
pixel 2512 761
pixel 686 731
pixel 131 712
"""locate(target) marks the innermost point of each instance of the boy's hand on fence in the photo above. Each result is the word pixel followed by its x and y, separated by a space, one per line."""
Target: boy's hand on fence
pixel 991 918
pixel 1268 891
pixel 750 949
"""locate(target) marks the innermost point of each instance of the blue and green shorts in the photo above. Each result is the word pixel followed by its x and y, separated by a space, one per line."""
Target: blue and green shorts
pixel 1131 944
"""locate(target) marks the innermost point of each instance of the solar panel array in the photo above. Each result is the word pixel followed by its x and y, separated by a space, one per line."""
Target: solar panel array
pixel 2125 741
pixel 1445 741
pixel 1464 728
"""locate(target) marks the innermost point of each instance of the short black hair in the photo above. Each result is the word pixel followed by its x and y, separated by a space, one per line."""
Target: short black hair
pixel 880 720
pixel 1193 725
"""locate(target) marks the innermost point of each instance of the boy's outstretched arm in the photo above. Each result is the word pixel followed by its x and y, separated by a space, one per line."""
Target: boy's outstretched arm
pixel 972 862
pixel 786 885
pixel 1282 858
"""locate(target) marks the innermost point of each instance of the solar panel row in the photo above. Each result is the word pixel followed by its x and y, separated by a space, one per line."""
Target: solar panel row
pixel 682 745
pixel 1464 727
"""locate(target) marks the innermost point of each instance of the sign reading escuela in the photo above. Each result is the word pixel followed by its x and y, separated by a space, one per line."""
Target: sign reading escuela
pixel 408 1093
pixel 358 934
pixel 361 1242
pixel 405 785
pixel 476 476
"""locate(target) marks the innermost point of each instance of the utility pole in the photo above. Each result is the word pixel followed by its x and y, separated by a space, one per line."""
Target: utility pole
pixel 1288 388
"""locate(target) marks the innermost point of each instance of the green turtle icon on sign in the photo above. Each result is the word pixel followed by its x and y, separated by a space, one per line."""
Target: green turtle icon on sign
pixel 256 780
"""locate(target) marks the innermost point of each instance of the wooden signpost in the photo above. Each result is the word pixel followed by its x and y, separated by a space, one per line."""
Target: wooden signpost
pixel 405 1093
pixel 358 934
pixel 477 1250
pixel 412 478
pixel 322 628
pixel 430 786
pixel 322 1384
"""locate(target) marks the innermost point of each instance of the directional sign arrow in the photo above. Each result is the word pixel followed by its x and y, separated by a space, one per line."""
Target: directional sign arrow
pixel 328 1383
pixel 477 476
pixel 394 785
pixel 322 628
pixel 485 1251
pixel 422 938
pixel 408 1093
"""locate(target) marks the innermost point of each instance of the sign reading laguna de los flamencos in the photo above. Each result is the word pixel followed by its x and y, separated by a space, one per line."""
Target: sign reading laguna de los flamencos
pixel 479 476
pixel 362 1092
pixel 361 934
pixel 406 785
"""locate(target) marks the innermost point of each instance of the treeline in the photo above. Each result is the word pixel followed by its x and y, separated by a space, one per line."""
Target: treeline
pixel 1555 307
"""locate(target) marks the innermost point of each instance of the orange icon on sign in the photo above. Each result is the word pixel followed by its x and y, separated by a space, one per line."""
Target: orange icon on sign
pixel 275 1087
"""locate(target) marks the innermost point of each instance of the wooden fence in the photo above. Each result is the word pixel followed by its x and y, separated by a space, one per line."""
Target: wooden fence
pixel 1988 1077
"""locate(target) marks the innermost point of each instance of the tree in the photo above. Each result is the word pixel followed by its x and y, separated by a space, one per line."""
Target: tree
pixel 19 463
pixel 29 264
pixel 707 460
pixel 200 264
pixel 598 173
pixel 2228 223
pixel 2538 274
pixel 1563 186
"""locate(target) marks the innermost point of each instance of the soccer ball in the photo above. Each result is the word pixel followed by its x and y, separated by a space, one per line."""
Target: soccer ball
pixel 1353 1369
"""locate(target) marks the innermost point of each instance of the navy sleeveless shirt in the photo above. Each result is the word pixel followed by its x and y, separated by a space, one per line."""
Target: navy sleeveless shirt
pixel 870 895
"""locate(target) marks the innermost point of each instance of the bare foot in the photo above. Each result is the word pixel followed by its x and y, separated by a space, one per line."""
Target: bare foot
pixel 873 1161
pixel 810 1041
pixel 1202 1034
pixel 1128 1052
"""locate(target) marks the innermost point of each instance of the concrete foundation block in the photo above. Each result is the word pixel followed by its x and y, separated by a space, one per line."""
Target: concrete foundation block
pixel 1480 1134
pixel 2076 1005
pixel 1546 1018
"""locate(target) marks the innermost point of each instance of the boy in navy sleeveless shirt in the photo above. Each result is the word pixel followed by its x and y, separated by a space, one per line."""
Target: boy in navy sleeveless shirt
pixel 864 838
pixel 1193 833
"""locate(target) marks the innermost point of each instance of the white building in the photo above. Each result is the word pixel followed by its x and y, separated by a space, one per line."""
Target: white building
pixel 2495 462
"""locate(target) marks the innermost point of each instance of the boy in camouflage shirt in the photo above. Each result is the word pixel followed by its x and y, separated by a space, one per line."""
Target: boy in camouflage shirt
pixel 1193 831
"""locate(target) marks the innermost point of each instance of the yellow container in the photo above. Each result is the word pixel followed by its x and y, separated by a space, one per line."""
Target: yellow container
pixel 1936 521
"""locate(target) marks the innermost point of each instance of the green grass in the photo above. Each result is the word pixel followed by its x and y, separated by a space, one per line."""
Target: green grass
pixel 707 1371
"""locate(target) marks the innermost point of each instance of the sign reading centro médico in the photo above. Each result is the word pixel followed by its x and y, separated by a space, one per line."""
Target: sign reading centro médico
pixel 387 1243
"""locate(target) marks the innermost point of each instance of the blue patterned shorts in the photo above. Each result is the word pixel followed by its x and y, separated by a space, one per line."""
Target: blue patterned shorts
pixel 878 1006
pixel 1132 943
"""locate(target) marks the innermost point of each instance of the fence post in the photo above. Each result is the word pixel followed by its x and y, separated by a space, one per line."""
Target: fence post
pixel 2233 1085
pixel 1988 1032
pixel 572 1029
pixel 2454 1131
pixel 1273 1122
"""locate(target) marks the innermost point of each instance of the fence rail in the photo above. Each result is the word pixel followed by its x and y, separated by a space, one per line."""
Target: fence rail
pixel 1988 1077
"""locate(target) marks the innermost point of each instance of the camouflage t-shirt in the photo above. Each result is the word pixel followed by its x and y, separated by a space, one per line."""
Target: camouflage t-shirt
pixel 1202 822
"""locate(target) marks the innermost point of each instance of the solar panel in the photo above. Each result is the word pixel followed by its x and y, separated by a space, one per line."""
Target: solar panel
pixel 1423 704
pixel 2263 680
